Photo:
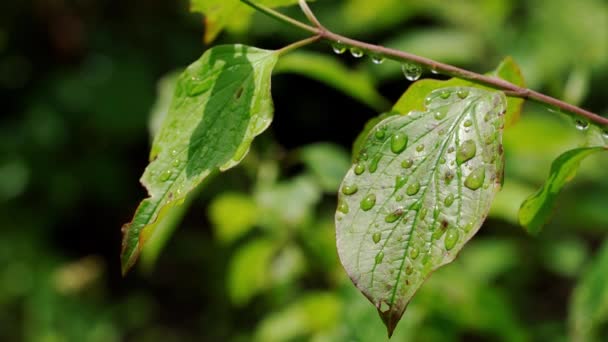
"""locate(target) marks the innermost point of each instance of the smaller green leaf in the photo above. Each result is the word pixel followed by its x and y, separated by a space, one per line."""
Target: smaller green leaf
pixel 358 84
pixel 536 209
pixel 589 305
pixel 232 215
pixel 328 163
pixel 221 103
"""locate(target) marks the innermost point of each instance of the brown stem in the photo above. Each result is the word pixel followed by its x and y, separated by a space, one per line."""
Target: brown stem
pixel 509 88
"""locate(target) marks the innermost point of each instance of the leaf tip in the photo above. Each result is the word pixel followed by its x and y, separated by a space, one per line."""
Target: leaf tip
pixel 390 318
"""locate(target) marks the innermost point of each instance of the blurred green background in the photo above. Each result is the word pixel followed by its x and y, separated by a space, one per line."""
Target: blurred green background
pixel 254 255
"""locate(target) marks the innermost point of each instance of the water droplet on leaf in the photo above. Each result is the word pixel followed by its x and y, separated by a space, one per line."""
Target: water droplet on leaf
pixel 376 237
pixel 420 148
pixel 349 189
pixel 451 238
pixel 414 252
pixel 373 165
pixel 165 175
pixel 463 93
pixel 465 151
pixel 400 181
pixel 413 189
pixel 439 115
pixel 379 257
pixel 406 164
pixel 398 142
pixel 343 207
pixel 359 169
pixel 476 178
pixel 449 200
pixel 368 202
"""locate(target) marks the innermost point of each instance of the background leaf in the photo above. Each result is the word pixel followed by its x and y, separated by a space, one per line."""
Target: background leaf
pixel 420 189
pixel 537 208
pixel 221 102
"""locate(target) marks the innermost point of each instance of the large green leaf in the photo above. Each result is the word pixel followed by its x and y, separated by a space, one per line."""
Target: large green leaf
pixel 537 208
pixel 589 304
pixel 413 98
pixel 421 187
pixel 221 102
pixel 220 14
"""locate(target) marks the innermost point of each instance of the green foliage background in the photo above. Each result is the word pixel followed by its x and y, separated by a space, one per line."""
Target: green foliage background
pixel 254 257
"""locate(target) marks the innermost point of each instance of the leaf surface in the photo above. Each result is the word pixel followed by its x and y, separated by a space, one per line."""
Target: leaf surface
pixel 537 209
pixel 420 188
pixel 221 102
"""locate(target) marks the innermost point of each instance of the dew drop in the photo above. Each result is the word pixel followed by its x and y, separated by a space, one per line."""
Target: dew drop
pixel 449 200
pixel 467 123
pixel 376 237
pixel 436 212
pixel 394 216
pixel 465 151
pixel 377 59
pixel 581 124
pixel 448 177
pixel 605 132
pixel 363 156
pixel 359 169
pixel 165 175
pixel 420 147
pixel 445 94
pixel 406 164
pixel 379 257
pixel 423 213
pixel 451 238
pixel 175 162
pixel 415 206
pixel 398 142
pixel 373 165
pixel 440 115
pixel 349 189
pixel 400 181
pixel 434 70
pixel 409 270
pixel 380 133
pixel 343 207
pixel 414 252
pixel 451 149
pixel 413 189
pixel 338 48
pixel 463 93
pixel 476 178
pixel 440 133
pixel 368 202
pixel 173 153
pixel 442 160
pixel 356 52
pixel 399 198
pixel 468 227
pixel 411 71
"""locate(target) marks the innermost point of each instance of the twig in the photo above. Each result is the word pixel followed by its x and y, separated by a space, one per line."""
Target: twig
pixel 509 88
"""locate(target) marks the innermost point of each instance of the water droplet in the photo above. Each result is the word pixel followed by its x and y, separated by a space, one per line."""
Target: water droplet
pixel 368 202
pixel 463 93
pixel 420 147
pixel 451 149
pixel 581 124
pixel 400 181
pixel 440 133
pixel 373 165
pixel 406 164
pixel 451 238
pixel 338 48
pixel 409 270
pixel 349 189
pixel 605 132
pixel 416 206
pixel 377 59
pixel 465 151
pixel 449 200
pixel 359 169
pixel 175 162
pixel 399 198
pixel 440 115
pixel 436 212
pixel 343 207
pixel 413 189
pixel 468 228
pixel 467 123
pixel 476 178
pixel 173 153
pixel 442 160
pixel 411 71
pixel 376 237
pixel 445 94
pixel 449 175
pixel 394 216
pixel 380 133
pixel 414 252
pixel 356 52
pixel 363 156
pixel 440 230
pixel 379 257
pixel 165 175
pixel 434 70
pixel 423 213
pixel 398 142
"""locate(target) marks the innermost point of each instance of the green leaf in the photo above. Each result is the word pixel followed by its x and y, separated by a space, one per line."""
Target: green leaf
pixel 589 305
pixel 249 270
pixel 420 189
pixel 537 208
pixel 358 84
pixel 164 94
pixel 221 102
pixel 327 162
pixel 413 98
pixel 232 215
pixel 232 14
